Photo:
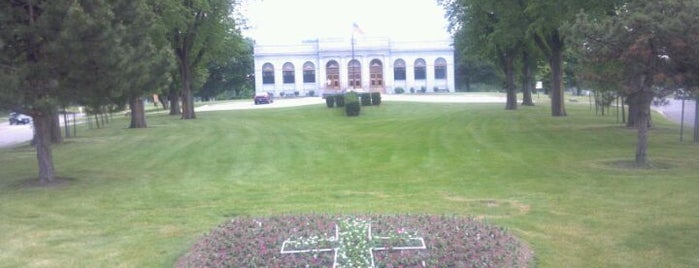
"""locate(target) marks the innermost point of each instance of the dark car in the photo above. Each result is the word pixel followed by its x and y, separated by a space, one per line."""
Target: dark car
pixel 263 98
pixel 19 119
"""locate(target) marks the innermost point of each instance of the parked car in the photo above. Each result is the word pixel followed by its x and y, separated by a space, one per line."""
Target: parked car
pixel 263 98
pixel 19 119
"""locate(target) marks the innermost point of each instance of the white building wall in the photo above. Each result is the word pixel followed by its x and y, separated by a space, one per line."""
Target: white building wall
pixel 320 52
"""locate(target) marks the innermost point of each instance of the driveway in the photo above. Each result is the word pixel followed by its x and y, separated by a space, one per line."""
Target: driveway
pixel 673 111
pixel 14 134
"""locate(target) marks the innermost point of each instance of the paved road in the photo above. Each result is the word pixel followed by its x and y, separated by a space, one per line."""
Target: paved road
pixel 673 111
pixel 14 134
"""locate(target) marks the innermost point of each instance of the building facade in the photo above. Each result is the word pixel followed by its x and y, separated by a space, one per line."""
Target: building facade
pixel 326 66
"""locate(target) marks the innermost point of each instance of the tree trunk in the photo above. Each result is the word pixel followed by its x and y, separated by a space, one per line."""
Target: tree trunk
pixel 556 63
pixel 643 102
pixel 633 111
pixel 188 103
pixel 509 66
pixel 174 99
pixel 467 80
pixel 65 123
pixel 138 115
pixel 187 96
pixel 56 136
pixel 623 110
pixel 164 101
pixel 527 80
pixel 43 124
pixel 696 119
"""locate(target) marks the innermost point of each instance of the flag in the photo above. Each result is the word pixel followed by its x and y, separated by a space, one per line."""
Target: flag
pixel 356 29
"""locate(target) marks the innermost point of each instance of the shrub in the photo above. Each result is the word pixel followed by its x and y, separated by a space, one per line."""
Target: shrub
pixel 375 98
pixel 451 241
pixel 340 100
pixel 412 90
pixel 399 90
pixel 352 107
pixel 366 99
pixel 330 101
pixel 423 89
pixel 311 93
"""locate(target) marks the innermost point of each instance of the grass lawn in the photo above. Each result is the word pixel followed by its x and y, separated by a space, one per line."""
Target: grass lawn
pixel 141 197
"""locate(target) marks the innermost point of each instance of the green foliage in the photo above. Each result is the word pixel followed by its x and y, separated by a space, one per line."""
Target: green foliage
pixel 330 100
pixel 352 107
pixel 340 100
pixel 365 98
pixel 399 90
pixel 231 70
pixel 375 98
pixel 198 32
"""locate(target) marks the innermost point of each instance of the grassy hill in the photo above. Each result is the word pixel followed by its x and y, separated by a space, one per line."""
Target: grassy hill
pixel 141 197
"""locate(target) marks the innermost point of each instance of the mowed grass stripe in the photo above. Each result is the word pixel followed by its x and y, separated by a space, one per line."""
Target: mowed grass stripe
pixel 140 197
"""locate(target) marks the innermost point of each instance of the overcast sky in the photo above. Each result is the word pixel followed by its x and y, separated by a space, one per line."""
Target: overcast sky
pixel 292 21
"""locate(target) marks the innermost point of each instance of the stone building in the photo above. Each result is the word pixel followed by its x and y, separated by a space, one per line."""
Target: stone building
pixel 324 66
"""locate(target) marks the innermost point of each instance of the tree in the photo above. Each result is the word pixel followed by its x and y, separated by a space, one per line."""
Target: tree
pixel 197 29
pixel 28 33
pixel 149 62
pixel 493 30
pixel 528 70
pixel 232 71
pixel 637 42
pixel 550 36
pixel 57 53
pixel 682 36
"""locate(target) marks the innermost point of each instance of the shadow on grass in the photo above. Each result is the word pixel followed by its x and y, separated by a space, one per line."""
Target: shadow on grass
pixel 631 165
pixel 36 183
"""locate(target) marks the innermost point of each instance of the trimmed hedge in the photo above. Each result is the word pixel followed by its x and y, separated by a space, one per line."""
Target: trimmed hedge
pixel 375 98
pixel 340 100
pixel 352 107
pixel 366 99
pixel 330 101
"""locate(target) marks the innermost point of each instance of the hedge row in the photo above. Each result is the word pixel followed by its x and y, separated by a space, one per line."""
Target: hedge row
pixel 351 101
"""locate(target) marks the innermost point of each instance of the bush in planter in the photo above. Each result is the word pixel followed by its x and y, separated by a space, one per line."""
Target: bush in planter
pixel 375 98
pixel 330 101
pixel 399 90
pixel 366 99
pixel 340 100
pixel 352 107
pixel 311 93
pixel 412 90
pixel 423 89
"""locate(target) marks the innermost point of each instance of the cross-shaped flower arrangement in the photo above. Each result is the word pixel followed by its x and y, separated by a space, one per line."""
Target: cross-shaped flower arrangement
pixel 353 243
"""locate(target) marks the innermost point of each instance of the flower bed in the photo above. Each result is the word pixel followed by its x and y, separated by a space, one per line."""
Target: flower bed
pixel 450 242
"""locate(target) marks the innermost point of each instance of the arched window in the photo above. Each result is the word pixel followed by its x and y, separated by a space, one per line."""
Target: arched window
pixel 376 73
pixel 354 71
pixel 399 70
pixel 332 71
pixel 309 72
pixel 267 73
pixel 288 73
pixel 440 68
pixel 420 69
